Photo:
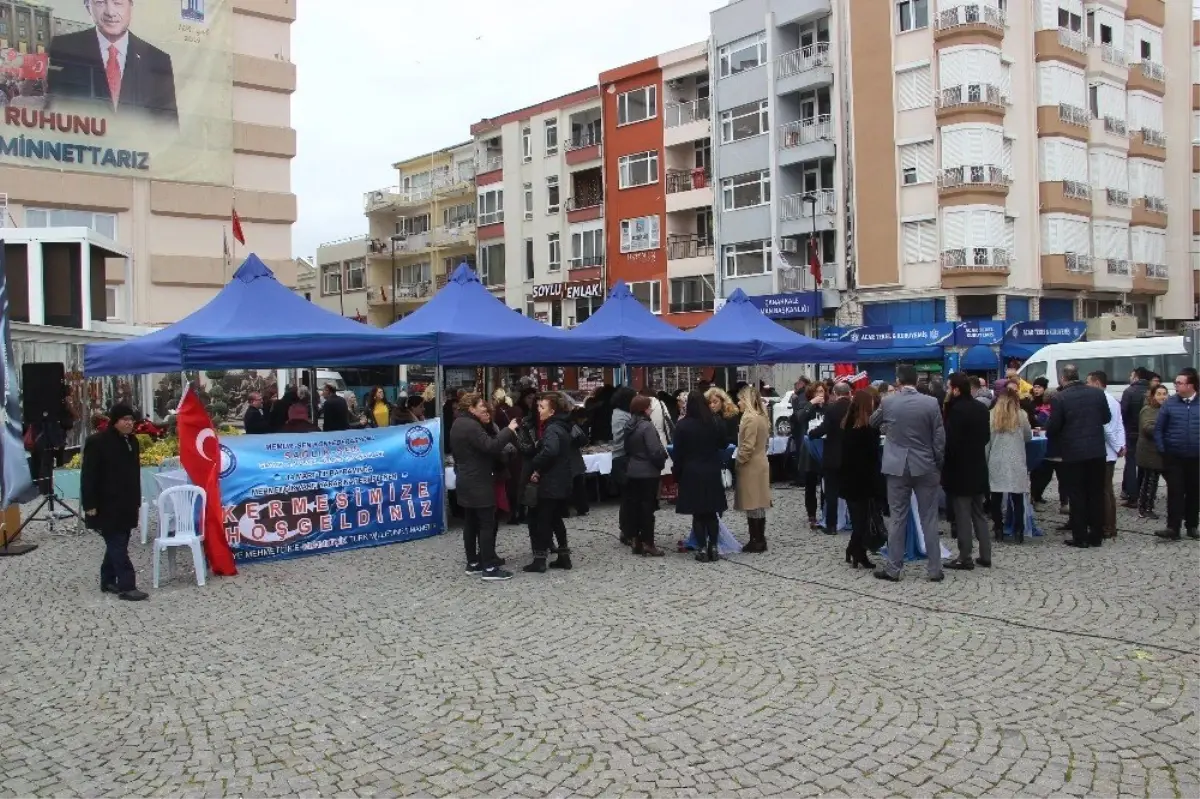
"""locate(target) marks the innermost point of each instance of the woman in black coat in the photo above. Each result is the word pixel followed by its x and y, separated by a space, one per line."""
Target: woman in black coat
pixel 859 474
pixel 965 471
pixel 698 457
pixel 476 453
pixel 551 472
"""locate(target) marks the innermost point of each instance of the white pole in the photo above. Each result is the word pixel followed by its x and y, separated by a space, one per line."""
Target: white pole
pixel 437 398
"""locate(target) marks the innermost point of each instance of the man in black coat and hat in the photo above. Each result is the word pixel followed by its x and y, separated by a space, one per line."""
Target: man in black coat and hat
pixel 111 487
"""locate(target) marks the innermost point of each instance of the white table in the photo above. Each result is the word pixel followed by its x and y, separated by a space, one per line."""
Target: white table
pixel 593 463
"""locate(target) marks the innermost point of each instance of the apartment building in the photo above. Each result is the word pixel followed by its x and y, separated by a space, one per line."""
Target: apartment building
pixel 337 278
pixel 1196 160
pixel 541 204
pixel 658 167
pixel 418 231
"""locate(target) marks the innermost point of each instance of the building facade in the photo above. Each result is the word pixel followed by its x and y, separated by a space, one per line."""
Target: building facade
pixel 337 279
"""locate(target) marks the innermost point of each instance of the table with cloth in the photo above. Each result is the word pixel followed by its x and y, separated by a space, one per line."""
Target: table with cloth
pixel 593 463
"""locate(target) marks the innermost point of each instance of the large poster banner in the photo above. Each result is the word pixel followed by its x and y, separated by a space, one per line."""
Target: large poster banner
pixel 136 89
pixel 16 483
pixel 290 495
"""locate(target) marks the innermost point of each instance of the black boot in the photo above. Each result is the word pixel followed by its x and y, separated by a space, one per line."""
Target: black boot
pixel 563 561
pixel 762 534
pixel 539 564
pixel 714 532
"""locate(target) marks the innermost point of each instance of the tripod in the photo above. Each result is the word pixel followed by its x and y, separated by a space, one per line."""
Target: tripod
pixel 50 500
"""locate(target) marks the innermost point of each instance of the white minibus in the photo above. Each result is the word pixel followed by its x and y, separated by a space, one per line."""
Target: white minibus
pixel 1117 358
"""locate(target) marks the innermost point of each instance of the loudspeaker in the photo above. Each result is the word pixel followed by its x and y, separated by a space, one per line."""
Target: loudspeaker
pixel 42 392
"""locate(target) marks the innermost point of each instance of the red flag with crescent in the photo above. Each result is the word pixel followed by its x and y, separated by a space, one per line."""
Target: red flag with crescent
pixel 33 66
pixel 200 455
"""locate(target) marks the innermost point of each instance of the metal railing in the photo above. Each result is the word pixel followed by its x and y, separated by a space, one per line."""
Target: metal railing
pixel 1156 271
pixel 491 163
pixel 1154 138
pixel 1153 70
pixel 1074 115
pixel 491 218
pixel 1076 190
pixel 803 206
pixel 1078 262
pixel 1117 266
pixel 456 234
pixel 971 14
pixel 973 175
pixel 404 291
pixel 681 246
pixel 970 94
pixel 1155 205
pixel 805 131
pixel 1113 55
pixel 585 198
pixel 1115 126
pixel 1072 41
pixel 975 258
pixel 585 138
pixel 794 62
pixel 692 306
pixel 682 113
pixel 686 180
pixel 1117 198
pixel 585 261
pixel 799 279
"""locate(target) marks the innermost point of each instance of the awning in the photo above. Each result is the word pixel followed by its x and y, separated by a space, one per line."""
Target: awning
pixel 1011 349
pixel 980 358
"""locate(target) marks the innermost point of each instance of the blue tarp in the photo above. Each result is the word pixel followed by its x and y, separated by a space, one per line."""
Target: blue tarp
pixel 980 358
pixel 640 338
pixel 740 322
pixel 255 321
pixel 471 327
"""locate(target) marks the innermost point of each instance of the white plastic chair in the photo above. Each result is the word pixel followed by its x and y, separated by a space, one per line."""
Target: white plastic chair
pixel 144 522
pixel 177 505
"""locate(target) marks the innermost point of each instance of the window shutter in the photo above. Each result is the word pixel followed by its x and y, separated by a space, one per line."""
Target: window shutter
pixel 954 148
pixel 912 242
pixel 1074 161
pixel 975 147
pixel 1006 79
pixel 1152 180
pixel 1010 235
pixel 979 235
pixel 951 69
pixel 928 230
pixel 1156 247
pixel 954 229
pixel 1006 156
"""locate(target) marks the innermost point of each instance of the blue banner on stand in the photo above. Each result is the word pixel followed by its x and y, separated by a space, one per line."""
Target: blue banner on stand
pixel 290 495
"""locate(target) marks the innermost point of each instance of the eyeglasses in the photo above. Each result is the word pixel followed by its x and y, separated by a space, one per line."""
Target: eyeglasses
pixel 1181 381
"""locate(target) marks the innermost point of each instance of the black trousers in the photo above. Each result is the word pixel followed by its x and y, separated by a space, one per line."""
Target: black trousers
pixel 861 511
pixel 639 503
pixel 998 504
pixel 811 481
pixel 707 528
pixel 116 568
pixel 1040 479
pixel 1183 492
pixel 1131 478
pixel 1085 492
pixel 549 526
pixel 1147 489
pixel 832 495
pixel 579 497
pixel 479 535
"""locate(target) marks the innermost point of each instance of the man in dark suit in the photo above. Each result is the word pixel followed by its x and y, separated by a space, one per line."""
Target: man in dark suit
pixel 110 64
pixel 334 410
pixel 1078 414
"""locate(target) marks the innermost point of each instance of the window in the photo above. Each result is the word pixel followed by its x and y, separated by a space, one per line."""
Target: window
pixel 916 163
pixel 743 54
pixel 744 191
pixel 747 259
pixel 413 225
pixel 920 241
pixel 648 293
pixel 416 274
pixel 491 265
pixel 1072 22
pixel 639 234
pixel 703 153
pixel 112 307
pixel 639 169
pixel 587 248
pixel 331 279
pixel 912 15
pixel 690 294
pixel 552 203
pixel 554 249
pixel 637 105
pixel 529 259
pixel 104 224
pixel 551 136
pixel 356 275
pixel 529 201
pixel 526 144
pixel 744 121
pixel 491 207
pixel 457 215
pixel 914 88
pixel 585 307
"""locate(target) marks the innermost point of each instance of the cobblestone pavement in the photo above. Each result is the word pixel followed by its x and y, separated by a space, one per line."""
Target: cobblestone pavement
pixel 387 671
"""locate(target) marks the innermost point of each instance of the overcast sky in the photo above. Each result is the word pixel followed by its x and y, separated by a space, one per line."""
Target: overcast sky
pixel 384 80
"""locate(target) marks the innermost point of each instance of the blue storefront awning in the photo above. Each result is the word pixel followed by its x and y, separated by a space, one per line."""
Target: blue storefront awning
pixel 1011 349
pixel 979 358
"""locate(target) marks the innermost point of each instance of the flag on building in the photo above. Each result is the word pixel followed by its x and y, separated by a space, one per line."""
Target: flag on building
pixel 237 228
pixel 200 456
pixel 814 260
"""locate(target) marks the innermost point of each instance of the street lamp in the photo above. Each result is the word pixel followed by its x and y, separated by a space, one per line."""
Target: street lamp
pixel 396 237
pixel 814 248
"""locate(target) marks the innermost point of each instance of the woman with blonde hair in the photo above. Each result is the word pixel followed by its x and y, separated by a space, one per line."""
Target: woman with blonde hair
pixel 752 492
pixel 1008 475
pixel 726 412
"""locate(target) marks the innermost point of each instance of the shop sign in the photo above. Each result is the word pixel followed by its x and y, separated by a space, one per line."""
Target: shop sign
pixel 1046 332
pixel 585 290
pixel 799 305
pixel 935 334
pixel 547 291
pixel 986 332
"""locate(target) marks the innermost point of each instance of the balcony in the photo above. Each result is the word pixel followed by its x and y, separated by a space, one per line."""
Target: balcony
pixel 976 184
pixel 489 168
pixel 691 306
pixel 454 236
pixel 586 207
pixel 404 244
pixel 1117 266
pixel 1072 271
pixel 1148 143
pixel 1115 127
pixel 804 68
pixel 1064 120
pixel 390 199
pixel 1065 197
pixel 1150 278
pixel 971 102
pixel 971 23
pixel 581 262
pixel 1150 212
pixel 1061 45
pixel 975 267
pixel 405 292
pixel 584 145
pixel 688 189
pixel 1113 56
pixel 799 279
pixel 686 112
pixel 690 255
pixel 1116 198
pixel 1147 76
pixel 806 140
pixel 800 213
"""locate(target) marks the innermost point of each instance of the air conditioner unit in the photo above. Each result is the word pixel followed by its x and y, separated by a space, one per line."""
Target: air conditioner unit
pixel 1110 326
pixel 789 245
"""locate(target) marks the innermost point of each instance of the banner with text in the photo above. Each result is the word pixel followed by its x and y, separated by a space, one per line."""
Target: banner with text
pixel 121 88
pixel 290 495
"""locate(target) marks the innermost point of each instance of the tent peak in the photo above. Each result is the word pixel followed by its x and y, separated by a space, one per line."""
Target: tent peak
pixel 620 290
pixel 252 269
pixel 737 296
pixel 463 274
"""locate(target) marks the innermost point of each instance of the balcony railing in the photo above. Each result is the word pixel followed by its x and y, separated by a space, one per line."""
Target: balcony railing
pixel 1078 263
pixel 677 114
pixel 1156 271
pixel 686 180
pixel 1152 70
pixel 1072 41
pixel 1074 115
pixel 797 279
pixel 1154 138
pixel 970 14
pixel 585 198
pixel 975 258
pixel 1115 126
pixel 1076 190
pixel 970 94
pixel 1116 198
pixel 491 218
pixel 377 295
pixel 1113 55
pixel 490 163
pixel 805 131
pixel 585 262
pixel 457 234
pixel 1155 205
pixel 957 177
pixel 685 246
pixel 794 62
pixel 691 306
pixel 585 138
pixel 1117 266
pixel 803 206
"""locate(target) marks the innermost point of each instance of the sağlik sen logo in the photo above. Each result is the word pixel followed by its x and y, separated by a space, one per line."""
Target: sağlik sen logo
pixel 228 461
pixel 419 440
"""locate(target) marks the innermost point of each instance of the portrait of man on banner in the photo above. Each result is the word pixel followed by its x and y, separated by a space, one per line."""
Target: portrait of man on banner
pixel 108 63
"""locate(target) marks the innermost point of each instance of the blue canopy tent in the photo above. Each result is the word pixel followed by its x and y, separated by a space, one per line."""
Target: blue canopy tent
pixel 645 340
pixel 471 327
pixel 741 321
pixel 255 321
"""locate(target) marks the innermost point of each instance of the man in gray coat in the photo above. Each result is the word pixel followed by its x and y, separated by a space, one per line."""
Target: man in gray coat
pixel 913 453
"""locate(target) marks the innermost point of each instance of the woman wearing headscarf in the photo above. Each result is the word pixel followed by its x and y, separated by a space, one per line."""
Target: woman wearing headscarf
pixel 752 491
pixel 699 456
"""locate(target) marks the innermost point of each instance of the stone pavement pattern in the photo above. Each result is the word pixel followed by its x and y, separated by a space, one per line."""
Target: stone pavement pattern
pixel 389 672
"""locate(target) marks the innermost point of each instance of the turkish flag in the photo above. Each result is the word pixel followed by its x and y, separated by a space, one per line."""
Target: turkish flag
pixel 200 454
pixel 33 67
pixel 814 260
pixel 237 228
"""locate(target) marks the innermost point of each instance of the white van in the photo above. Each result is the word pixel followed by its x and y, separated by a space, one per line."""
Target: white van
pixel 1164 355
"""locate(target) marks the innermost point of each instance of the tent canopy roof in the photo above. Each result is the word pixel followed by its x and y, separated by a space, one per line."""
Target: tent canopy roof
pixel 740 320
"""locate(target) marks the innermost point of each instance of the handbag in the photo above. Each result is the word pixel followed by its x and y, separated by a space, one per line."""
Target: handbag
pixel 28 439
pixel 529 497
